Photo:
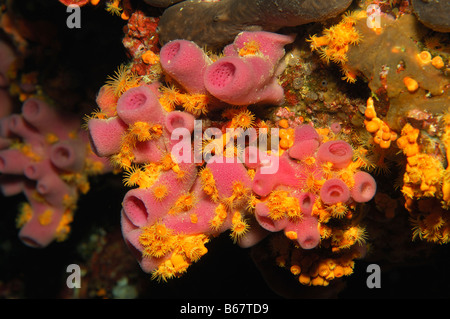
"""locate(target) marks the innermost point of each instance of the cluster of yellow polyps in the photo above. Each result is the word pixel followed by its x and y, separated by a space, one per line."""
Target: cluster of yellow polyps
pixel 171 97
pixel 159 241
pixel 430 222
pixel 423 175
pixel 424 57
pixel 314 269
pixel 334 44
pixel 382 134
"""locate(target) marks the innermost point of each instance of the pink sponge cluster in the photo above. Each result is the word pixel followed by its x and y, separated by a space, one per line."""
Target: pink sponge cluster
pixel 315 175
pixel 172 202
pixel 136 106
pixel 45 155
pixel 246 74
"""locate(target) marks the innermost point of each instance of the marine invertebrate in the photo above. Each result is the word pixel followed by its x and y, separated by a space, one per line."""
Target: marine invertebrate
pixel 383 135
pixel 315 182
pixel 251 78
pixel 49 159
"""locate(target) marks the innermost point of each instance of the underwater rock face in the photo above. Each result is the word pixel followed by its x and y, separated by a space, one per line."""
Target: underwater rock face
pixel 433 13
pixel 161 3
pixel 214 24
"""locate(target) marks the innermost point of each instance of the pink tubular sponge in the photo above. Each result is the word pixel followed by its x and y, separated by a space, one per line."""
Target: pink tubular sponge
pixel 185 62
pixel 334 191
pixel 338 152
pixel 365 187
pixel 140 104
pixel 105 135
pixel 243 81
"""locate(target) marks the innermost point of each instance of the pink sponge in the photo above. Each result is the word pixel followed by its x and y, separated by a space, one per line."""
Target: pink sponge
pixel 334 191
pixel 105 135
pixel 140 104
pixel 307 231
pixel 144 206
pixel 185 62
pixel 12 161
pixel 338 152
pixel 65 155
pixel 39 114
pixel 225 174
pixel 286 173
pixel 262 213
pixel 365 187
pixel 51 144
pixel 243 81
pixel 270 44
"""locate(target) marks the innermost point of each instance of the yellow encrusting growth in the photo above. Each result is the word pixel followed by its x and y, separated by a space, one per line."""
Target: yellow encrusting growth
pixel 424 172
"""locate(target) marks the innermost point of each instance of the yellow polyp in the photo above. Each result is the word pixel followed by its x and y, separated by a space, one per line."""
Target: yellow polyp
pixel 424 57
pixel 410 84
pixel 238 226
pixel 193 246
pixel 209 184
pixel 385 144
pixel 335 42
pixel 197 104
pixel 411 149
pixel 304 279
pixel 143 131
pixel 244 119
pixel 194 218
pixel 185 202
pixel 46 217
pixel 338 271
pixel 295 269
pixel 160 191
pixel 280 261
pixel 63 229
pixel 149 57
pixel 122 80
pixel 25 214
pixel 291 235
pixel 179 263
pixel 251 173
pixel 323 270
pixel 372 126
pixel 310 160
pixel 317 281
pixel 220 215
pixel 446 190
pixel 95 2
pixel 51 138
pixel 161 231
pixel 437 62
pixel 249 48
